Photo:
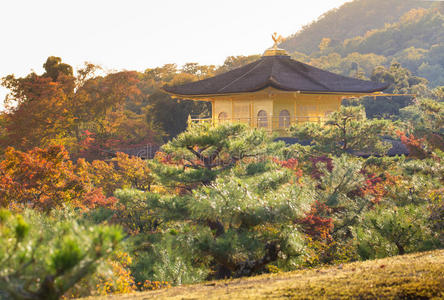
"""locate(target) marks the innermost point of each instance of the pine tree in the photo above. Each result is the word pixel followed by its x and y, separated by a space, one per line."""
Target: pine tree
pixel 199 154
pixel 43 257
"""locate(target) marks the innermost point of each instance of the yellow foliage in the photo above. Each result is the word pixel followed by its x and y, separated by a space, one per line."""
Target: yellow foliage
pixel 153 285
pixel 121 281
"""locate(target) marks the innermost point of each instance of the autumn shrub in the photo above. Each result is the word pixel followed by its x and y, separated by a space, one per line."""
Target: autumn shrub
pixel 119 280
pixel 416 146
pixel 149 285
pixel 45 179
pixel 315 172
pixel 321 247
pixel 122 171
pixel 317 223
pixel 319 253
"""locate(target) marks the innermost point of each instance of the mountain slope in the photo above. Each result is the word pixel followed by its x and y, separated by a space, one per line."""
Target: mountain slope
pixel 351 19
pixel 415 39
pixel 418 28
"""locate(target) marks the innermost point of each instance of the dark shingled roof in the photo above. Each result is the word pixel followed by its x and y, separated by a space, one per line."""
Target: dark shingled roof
pixel 280 72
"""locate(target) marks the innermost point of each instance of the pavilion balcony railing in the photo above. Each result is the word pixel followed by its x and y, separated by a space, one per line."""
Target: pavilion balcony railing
pixel 270 123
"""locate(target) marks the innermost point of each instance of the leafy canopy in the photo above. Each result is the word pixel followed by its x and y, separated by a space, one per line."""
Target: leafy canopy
pixel 346 131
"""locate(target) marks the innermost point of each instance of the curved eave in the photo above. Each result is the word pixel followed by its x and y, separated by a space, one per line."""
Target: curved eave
pixel 211 97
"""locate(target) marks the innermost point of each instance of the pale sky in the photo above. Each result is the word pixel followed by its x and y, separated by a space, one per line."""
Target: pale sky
pixel 140 34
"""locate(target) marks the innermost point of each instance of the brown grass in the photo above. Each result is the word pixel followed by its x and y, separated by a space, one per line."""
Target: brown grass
pixel 413 276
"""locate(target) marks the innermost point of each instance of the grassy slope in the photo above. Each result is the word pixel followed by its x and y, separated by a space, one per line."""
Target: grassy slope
pixel 414 276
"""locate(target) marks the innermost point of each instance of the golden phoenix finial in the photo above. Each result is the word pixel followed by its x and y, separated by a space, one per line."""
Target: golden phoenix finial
pixel 277 39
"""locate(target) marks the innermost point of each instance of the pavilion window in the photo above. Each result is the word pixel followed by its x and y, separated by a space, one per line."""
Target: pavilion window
pixel 284 119
pixel 262 121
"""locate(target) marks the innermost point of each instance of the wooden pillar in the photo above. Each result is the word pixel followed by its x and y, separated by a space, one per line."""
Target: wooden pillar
pixel 213 113
pixel 271 123
pixel 232 111
pixel 295 110
pixel 251 111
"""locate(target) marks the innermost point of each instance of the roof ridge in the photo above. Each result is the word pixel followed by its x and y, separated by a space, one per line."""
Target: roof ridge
pixel 271 76
pixel 239 78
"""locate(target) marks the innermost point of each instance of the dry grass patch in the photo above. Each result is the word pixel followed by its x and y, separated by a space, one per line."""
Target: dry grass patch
pixel 414 276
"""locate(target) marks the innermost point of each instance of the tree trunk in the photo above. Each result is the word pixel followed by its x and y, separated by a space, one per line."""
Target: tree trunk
pixel 400 247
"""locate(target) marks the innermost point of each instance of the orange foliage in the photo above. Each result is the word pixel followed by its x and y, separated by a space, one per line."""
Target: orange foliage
pixel 414 145
pixel 122 171
pixel 38 117
pixel 317 223
pixel 291 164
pixel 55 110
pixel 375 186
pixel 134 170
pixel 413 15
pixel 95 198
pixel 44 179
pixel 168 159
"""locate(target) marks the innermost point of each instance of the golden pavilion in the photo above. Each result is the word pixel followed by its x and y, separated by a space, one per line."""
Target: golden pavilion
pixel 274 92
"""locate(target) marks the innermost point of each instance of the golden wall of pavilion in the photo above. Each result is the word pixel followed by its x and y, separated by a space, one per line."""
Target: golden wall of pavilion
pixel 274 110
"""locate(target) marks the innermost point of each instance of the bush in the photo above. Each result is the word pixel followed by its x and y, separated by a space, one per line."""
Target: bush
pixel 387 231
pixel 45 179
pixel 169 256
pixel 42 257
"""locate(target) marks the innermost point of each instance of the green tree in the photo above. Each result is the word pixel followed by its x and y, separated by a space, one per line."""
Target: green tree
pixel 43 257
pixel 54 67
pixel 243 221
pixel 388 231
pixel 346 130
pixel 161 110
pixel 425 119
pixel 199 154
pixel 400 81
pixel 233 62
pixel 338 188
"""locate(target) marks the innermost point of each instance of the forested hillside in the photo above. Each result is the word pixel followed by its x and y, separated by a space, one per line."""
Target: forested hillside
pixel 351 19
pixel 361 35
